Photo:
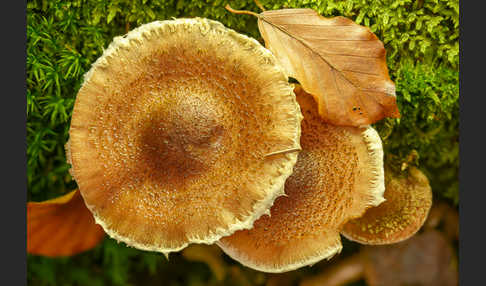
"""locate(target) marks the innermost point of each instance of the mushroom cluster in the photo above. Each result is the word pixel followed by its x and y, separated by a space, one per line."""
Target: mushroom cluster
pixel 185 131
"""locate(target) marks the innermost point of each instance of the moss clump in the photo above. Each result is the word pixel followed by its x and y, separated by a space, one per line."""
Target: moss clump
pixel 428 132
pixel 65 37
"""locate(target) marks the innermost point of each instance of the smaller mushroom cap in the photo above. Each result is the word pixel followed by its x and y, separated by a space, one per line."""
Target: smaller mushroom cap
pixel 61 227
pixel 338 175
pixel 408 201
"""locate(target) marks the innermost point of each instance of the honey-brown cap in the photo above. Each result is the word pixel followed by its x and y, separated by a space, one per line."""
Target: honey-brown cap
pixel 179 132
pixel 408 201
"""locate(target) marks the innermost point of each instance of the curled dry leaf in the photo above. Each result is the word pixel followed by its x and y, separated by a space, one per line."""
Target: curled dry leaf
pixel 61 227
pixel 342 64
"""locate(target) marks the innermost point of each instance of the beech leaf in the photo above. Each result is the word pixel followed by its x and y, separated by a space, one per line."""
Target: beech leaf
pixel 342 64
pixel 61 227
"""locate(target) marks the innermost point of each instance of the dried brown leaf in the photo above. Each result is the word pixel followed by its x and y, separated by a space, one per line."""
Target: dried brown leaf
pixel 61 227
pixel 342 64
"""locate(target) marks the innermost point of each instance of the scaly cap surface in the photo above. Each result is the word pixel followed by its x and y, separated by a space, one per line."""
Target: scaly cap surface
pixel 408 201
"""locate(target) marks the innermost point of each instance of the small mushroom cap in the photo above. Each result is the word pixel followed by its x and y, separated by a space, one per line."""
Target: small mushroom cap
pixel 408 201
pixel 424 260
pixel 61 227
pixel 171 132
pixel 338 175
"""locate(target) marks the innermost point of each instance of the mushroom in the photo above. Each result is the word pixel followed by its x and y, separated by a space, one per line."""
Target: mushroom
pixel 426 259
pixel 338 175
pixel 443 216
pixel 183 131
pixel 61 227
pixel 408 201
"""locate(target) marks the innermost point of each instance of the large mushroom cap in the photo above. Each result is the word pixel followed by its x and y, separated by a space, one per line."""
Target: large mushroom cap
pixel 408 201
pixel 171 134
pixel 338 175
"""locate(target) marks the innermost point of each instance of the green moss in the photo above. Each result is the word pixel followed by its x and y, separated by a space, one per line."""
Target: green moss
pixel 65 37
pixel 428 98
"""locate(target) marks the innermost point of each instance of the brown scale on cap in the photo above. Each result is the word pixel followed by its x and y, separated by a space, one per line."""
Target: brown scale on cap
pixel 408 201
pixel 171 132
pixel 339 173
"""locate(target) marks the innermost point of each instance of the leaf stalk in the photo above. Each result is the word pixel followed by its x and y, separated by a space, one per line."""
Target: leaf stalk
pixel 228 7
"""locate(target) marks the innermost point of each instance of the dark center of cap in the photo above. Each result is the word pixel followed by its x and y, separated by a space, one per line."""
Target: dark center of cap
pixel 182 137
